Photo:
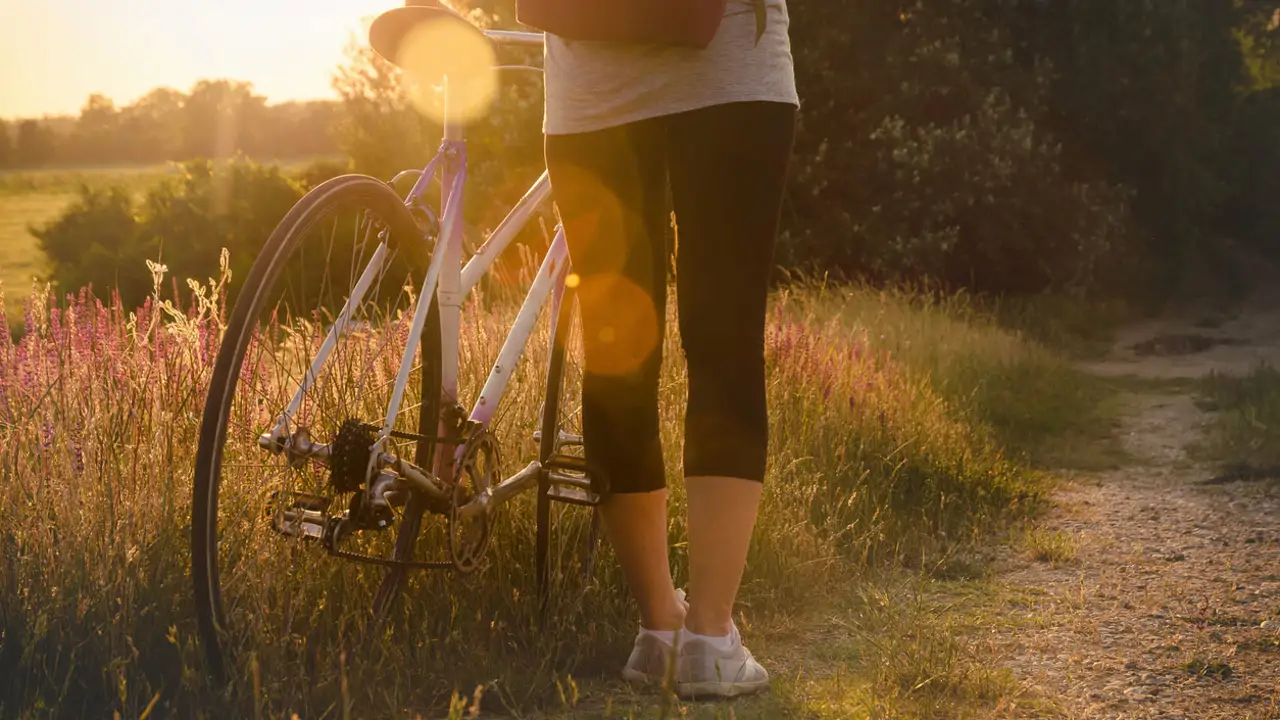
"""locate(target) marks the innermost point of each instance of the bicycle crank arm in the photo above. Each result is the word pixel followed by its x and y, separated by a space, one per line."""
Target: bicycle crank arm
pixel 504 491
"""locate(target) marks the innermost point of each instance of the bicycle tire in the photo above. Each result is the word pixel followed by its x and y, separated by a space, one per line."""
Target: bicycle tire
pixel 550 428
pixel 288 235
pixel 411 523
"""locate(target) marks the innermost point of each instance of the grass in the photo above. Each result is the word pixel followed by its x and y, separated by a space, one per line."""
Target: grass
pixel 1077 328
pixel 878 646
pixel 1053 547
pixel 1214 669
pixel 1039 407
pixel 21 261
pixel 890 449
pixel 69 181
pixel 1245 434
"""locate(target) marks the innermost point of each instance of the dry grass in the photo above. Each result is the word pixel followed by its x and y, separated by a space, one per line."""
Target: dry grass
pixel 1055 547
pixel 881 455
pixel 1245 432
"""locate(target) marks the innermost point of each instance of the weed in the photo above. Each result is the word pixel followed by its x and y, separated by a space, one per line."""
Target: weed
pixel 887 446
pixel 1245 434
pixel 1055 547
pixel 1215 669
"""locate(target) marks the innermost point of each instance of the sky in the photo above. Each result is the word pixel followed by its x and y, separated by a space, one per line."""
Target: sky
pixel 55 53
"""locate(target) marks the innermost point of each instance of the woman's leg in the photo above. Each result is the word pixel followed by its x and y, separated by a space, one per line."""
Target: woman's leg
pixel 728 168
pixel 609 187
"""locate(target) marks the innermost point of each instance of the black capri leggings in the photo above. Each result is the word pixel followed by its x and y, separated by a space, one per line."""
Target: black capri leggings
pixel 727 168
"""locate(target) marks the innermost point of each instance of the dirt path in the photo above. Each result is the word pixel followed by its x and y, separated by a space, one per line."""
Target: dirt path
pixel 1171 606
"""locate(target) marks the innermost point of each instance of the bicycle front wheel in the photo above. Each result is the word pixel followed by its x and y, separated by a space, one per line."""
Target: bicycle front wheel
pixel 576 543
pixel 311 353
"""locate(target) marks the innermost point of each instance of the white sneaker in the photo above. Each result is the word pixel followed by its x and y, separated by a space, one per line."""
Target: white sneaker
pixel 704 669
pixel 651 658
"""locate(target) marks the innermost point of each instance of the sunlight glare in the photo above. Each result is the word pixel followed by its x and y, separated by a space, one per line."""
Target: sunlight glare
pixel 434 52
pixel 631 336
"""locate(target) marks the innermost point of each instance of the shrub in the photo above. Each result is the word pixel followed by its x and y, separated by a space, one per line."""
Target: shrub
pixel 1252 212
pixel 97 241
pixel 320 171
pixel 105 239
pixel 922 153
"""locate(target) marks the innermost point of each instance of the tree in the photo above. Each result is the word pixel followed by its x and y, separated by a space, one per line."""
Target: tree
pixel 221 118
pixel 377 125
pixel 6 145
pixel 35 145
pixel 105 237
pixel 95 139
pixel 1143 94
pixel 298 129
pixel 151 129
pixel 1260 43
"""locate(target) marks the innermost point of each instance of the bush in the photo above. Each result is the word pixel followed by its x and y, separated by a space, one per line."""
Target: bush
pixel 922 153
pixel 1252 212
pixel 105 239
pixel 320 171
pixel 97 241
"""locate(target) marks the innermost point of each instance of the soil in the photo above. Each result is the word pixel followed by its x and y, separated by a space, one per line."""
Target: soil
pixel 1171 606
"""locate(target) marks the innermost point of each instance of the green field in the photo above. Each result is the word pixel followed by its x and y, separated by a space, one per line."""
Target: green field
pixel 35 197
pixel 32 198
pixel 20 257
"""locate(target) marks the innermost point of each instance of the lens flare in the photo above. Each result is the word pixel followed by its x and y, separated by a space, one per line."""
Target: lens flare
pixel 620 324
pixel 440 54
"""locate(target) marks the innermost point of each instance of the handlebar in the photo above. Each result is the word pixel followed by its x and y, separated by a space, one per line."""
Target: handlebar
pixel 515 37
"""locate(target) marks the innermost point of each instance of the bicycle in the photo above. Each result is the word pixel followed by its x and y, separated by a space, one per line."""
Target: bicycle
pixel 387 466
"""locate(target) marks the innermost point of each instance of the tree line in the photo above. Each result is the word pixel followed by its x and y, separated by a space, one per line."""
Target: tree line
pixel 1001 146
pixel 215 119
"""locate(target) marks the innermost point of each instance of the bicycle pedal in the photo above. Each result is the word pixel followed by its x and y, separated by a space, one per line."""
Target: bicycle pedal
pixel 564 439
pixel 566 462
pixel 300 521
pixel 573 495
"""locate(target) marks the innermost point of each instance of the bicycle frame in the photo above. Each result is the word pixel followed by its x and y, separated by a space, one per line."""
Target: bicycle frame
pixel 450 283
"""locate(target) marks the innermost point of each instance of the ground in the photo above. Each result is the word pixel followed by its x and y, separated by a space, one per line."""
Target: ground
pixel 1152 590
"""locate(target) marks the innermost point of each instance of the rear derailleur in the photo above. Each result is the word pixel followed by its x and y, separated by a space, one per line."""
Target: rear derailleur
pixel 306 515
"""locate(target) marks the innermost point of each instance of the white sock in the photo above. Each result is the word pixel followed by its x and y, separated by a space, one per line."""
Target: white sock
pixel 723 643
pixel 666 636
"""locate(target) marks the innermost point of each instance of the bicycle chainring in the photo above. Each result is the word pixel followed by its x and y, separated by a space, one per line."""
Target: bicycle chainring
pixel 477 472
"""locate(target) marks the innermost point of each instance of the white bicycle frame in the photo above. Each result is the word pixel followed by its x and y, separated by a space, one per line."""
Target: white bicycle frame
pixel 450 282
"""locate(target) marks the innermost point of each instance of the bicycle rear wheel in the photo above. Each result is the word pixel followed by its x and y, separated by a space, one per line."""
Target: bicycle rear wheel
pixel 261 580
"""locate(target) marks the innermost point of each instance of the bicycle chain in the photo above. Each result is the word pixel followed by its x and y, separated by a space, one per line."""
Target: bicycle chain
pixel 414 436
pixel 383 562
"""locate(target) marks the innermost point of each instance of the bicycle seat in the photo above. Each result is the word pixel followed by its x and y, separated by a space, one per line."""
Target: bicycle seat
pixel 389 29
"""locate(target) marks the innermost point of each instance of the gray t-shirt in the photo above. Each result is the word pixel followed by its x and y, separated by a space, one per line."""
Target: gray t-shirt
pixel 592 86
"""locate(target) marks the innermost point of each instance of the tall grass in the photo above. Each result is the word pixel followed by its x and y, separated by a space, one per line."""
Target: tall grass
pixel 1245 432
pixel 1041 410
pixel 888 445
